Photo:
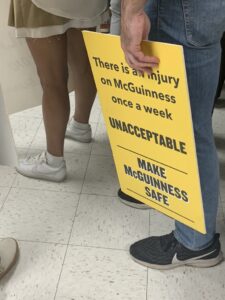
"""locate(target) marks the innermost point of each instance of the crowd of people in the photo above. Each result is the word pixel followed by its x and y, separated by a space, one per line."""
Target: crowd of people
pixel 52 29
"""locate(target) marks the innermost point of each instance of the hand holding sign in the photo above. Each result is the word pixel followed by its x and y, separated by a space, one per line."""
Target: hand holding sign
pixel 135 27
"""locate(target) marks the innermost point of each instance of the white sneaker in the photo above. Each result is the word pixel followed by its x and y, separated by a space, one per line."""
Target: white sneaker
pixel 78 131
pixel 38 167
pixel 8 255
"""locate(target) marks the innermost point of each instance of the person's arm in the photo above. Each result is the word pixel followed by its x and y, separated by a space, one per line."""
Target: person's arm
pixel 135 27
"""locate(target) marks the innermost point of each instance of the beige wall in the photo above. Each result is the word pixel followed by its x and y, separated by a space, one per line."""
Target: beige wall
pixel 20 85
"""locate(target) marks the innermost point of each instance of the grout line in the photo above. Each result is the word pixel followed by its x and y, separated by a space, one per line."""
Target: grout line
pixel 45 190
pixel 60 191
pixel 98 247
pixel 67 247
pixel 103 155
pixel 6 197
pixel 32 139
pixel 84 178
pixel 10 189
pixel 35 136
pixel 33 117
pixel 149 222
pixel 102 195
pixel 85 173
pixel 147 285
pixel 78 151
pixel 72 225
pixel 39 242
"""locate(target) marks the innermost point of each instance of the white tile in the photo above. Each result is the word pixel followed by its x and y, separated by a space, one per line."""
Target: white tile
pixel 222 173
pixel 33 215
pixel 101 274
pixel 22 152
pixel 24 130
pixel 220 213
pixel 218 122
pixel 3 194
pixel 101 177
pixel 187 283
pixel 72 146
pixel 221 230
pixel 160 224
pixel 105 222
pixel 7 176
pixel 222 96
pixel 101 144
pixel 36 275
pixel 101 119
pixel 39 142
pixel 221 156
pixel 76 168
pixel 95 113
pixel 220 145
pixel 34 112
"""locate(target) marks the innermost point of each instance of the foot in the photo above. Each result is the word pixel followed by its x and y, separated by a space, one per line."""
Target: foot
pixel 39 168
pixel 219 103
pixel 8 255
pixel 165 252
pixel 78 131
pixel 130 201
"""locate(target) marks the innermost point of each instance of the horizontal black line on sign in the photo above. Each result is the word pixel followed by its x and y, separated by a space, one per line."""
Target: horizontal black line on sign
pixel 152 160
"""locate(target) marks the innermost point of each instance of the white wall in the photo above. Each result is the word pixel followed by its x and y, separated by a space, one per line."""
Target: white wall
pixel 8 155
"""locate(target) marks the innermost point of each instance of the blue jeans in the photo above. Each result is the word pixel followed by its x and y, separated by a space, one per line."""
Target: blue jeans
pixel 198 26
pixel 115 19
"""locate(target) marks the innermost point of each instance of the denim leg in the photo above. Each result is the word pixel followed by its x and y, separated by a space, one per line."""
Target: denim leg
pixel 182 22
pixel 203 74
pixel 115 19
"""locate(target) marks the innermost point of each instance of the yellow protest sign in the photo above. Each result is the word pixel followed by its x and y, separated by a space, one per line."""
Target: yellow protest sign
pixel 148 120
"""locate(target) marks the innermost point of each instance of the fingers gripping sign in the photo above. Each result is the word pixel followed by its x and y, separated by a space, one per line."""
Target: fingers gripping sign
pixel 135 27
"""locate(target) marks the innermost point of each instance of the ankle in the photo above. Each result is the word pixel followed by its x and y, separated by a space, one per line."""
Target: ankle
pixel 53 160
pixel 80 125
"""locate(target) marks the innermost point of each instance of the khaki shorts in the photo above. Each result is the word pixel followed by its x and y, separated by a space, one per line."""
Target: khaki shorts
pixel 31 21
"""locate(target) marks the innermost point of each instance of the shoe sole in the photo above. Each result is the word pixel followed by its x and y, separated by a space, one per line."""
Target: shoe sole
pixel 12 263
pixel 134 205
pixel 41 177
pixel 198 263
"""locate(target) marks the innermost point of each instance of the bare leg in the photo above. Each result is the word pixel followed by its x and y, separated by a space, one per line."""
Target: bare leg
pixel 50 56
pixel 84 84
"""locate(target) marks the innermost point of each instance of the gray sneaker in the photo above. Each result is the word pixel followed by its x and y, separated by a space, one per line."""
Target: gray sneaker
pixel 165 252
pixel 8 255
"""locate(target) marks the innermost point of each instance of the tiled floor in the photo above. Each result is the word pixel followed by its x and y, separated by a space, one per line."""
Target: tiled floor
pixel 74 236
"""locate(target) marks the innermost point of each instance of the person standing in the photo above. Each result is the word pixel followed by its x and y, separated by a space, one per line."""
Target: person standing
pixel 115 6
pixel 198 27
pixel 53 31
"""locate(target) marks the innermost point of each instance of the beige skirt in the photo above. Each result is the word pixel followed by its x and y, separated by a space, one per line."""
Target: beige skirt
pixel 31 21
